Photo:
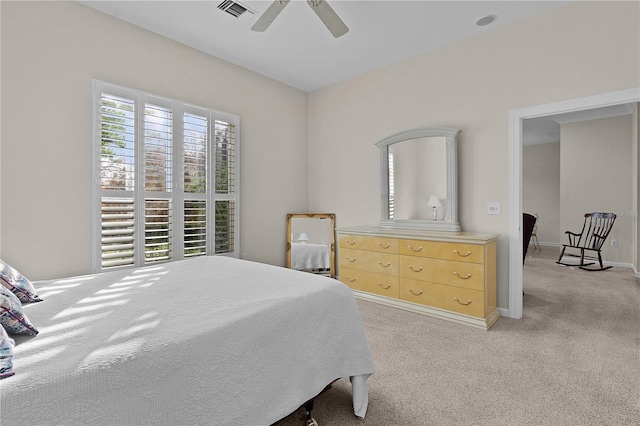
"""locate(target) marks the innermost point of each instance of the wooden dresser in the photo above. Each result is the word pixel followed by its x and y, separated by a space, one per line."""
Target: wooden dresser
pixel 449 275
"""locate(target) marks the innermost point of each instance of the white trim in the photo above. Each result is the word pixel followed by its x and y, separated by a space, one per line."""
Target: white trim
pixel 571 264
pixel 618 264
pixel 516 117
pixel 95 175
pixel 545 244
pixel 177 182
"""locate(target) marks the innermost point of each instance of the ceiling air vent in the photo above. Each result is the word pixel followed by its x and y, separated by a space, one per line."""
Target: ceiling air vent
pixel 237 10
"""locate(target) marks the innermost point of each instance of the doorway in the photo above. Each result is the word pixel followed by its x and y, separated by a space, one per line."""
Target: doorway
pixel 516 118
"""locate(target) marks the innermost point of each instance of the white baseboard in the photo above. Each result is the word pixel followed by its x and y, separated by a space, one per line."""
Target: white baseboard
pixel 558 245
pixel 543 244
pixel 619 264
pixel 503 312
pixel 605 263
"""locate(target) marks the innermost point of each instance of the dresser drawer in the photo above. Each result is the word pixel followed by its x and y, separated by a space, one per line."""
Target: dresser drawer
pixel 379 244
pixel 452 277
pixel 384 285
pixel 380 263
pixel 462 252
pixel 459 274
pixel 456 299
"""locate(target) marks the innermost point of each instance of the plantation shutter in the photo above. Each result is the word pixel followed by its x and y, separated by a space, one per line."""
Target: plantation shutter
pixel 225 186
pixel 117 232
pixel 117 171
pixel 195 157
pixel 166 179
pixel 158 182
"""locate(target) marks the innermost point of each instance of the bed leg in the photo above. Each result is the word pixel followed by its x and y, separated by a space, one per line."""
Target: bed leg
pixel 308 406
pixel 309 421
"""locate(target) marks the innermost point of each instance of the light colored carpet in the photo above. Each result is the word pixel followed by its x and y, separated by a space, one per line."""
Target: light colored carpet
pixel 573 359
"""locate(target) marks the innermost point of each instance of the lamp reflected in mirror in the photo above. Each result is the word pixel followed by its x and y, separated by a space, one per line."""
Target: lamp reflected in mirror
pixel 311 243
pixel 435 203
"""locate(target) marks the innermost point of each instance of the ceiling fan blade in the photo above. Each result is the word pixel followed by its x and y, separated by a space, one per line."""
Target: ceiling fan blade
pixel 330 19
pixel 269 15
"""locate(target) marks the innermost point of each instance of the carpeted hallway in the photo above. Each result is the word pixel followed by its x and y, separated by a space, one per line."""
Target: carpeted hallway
pixel 573 359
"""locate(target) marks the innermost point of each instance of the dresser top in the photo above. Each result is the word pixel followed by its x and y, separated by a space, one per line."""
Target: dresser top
pixel 418 234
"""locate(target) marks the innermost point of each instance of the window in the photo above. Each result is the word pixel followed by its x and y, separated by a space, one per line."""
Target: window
pixel 165 179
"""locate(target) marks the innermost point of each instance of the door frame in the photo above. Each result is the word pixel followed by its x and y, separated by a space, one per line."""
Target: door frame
pixel 516 117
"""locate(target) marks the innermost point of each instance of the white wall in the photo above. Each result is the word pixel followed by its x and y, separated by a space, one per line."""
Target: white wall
pixel 541 189
pixel 51 51
pixel 596 176
pixel 577 50
pixel 635 149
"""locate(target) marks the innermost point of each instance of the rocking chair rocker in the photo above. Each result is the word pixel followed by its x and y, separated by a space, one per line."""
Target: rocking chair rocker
pixel 594 232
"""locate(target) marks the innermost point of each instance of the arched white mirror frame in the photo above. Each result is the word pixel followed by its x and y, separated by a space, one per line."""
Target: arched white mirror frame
pixel 450 222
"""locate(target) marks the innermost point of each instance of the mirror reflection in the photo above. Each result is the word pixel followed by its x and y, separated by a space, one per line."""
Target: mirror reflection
pixel 311 243
pixel 418 172
pixel 418 179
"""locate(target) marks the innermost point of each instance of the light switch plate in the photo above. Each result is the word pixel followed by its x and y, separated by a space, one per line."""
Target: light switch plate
pixel 493 208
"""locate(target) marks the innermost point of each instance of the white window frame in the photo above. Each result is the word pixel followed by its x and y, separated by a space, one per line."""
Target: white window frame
pixel 177 195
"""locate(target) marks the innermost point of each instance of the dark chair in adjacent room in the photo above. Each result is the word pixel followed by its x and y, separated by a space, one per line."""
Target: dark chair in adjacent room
pixel 534 234
pixel 595 229
pixel 528 223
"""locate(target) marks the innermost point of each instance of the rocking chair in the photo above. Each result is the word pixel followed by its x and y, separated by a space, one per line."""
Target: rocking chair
pixel 594 232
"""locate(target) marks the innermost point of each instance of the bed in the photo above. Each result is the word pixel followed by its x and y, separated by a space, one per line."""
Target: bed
pixel 305 256
pixel 212 340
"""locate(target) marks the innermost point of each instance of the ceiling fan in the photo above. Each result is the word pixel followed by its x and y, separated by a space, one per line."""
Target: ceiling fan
pixel 326 14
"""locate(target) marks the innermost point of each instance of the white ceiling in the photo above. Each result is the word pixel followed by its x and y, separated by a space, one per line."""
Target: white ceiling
pixel 299 51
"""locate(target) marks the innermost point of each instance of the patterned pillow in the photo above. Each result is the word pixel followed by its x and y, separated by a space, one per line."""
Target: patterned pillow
pixel 17 283
pixel 12 317
pixel 6 354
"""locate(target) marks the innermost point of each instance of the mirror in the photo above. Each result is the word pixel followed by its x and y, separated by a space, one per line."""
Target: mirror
pixel 311 243
pixel 418 187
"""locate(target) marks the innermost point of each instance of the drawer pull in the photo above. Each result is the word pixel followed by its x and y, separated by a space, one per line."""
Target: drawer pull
pixel 415 270
pixel 388 286
pixel 350 259
pixel 351 280
pixel 460 254
pixel 416 294
pixel 384 247
pixel 462 303
pixel 415 250
pixel 350 242
pixel 383 265
pixel 461 277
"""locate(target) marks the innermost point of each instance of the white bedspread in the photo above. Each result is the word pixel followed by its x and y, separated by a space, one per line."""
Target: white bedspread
pixel 309 256
pixel 212 340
